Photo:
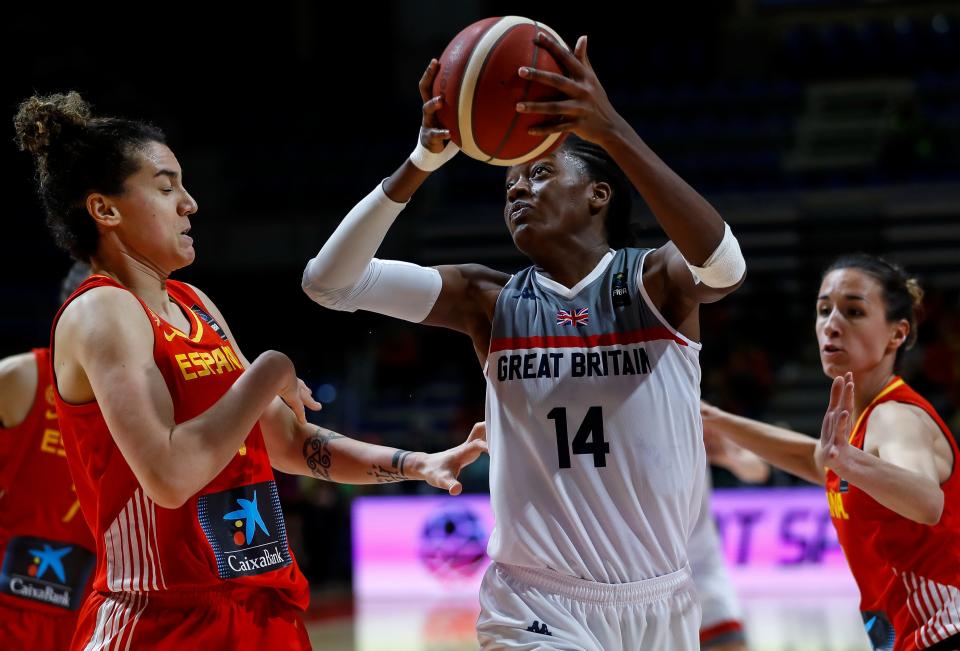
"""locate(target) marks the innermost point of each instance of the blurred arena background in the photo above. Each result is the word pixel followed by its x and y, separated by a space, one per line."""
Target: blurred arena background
pixel 815 126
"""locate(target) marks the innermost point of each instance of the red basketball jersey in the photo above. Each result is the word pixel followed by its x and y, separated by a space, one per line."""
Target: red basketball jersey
pixel 45 544
pixel 232 532
pixel 908 571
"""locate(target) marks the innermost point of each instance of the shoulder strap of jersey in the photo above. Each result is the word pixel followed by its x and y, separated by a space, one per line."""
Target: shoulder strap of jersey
pixel 189 297
pixel 94 281
pixel 859 430
pixel 184 293
pixel 906 394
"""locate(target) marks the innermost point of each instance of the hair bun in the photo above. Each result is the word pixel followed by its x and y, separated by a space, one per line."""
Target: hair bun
pixel 916 291
pixel 40 119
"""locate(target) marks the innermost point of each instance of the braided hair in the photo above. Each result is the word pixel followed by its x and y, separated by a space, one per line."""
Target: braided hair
pixel 600 166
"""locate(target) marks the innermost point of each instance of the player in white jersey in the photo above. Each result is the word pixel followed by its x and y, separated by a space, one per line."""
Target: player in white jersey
pixel 721 628
pixel 591 360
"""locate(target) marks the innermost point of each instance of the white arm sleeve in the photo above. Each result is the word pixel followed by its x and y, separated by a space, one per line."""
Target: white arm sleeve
pixel 725 266
pixel 345 276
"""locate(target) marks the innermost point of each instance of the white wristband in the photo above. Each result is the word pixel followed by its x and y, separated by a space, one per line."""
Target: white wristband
pixel 428 161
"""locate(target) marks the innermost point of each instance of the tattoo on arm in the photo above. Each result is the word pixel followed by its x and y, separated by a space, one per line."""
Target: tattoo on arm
pixel 392 474
pixel 316 452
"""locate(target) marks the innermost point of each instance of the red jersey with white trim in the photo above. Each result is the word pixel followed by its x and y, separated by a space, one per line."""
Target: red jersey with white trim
pixel 909 572
pixel 232 531
pixel 45 545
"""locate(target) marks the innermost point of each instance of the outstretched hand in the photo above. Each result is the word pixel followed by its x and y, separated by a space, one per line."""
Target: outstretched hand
pixel 587 111
pixel 711 416
pixel 443 468
pixel 298 397
pixel 833 448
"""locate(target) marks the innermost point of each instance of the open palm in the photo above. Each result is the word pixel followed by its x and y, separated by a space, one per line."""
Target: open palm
pixel 443 468
pixel 833 448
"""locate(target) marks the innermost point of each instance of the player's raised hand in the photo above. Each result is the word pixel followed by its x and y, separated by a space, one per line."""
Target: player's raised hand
pixel 833 447
pixel 587 111
pixel 432 134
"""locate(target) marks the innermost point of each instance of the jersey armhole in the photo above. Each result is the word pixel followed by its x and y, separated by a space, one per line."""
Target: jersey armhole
pixel 36 358
pixel 493 321
pixel 91 405
pixel 696 345
pixel 944 431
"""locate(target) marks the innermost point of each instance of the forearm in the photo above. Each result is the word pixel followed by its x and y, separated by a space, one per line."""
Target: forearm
pixel 788 450
pixel 325 454
pixel 347 252
pixel 690 222
pixel 401 185
pixel 198 449
pixel 345 276
pixel 903 491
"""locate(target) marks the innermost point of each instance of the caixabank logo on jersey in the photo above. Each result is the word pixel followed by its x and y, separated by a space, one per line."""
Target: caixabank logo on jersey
pixel 245 529
pixel 47 571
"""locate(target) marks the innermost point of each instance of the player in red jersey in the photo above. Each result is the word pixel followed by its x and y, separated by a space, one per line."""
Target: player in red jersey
pixel 171 434
pixel 885 456
pixel 46 550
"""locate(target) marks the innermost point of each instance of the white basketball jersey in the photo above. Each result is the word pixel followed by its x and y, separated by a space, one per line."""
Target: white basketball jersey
pixel 718 599
pixel 593 423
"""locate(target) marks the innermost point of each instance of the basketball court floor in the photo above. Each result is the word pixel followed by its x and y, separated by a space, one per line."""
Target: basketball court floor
pixel 825 622
pixel 418 563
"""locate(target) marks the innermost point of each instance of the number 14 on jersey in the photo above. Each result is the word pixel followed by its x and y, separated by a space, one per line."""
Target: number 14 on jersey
pixel 588 439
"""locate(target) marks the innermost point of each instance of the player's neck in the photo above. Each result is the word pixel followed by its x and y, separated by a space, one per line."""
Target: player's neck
pixel 570 262
pixel 138 275
pixel 868 386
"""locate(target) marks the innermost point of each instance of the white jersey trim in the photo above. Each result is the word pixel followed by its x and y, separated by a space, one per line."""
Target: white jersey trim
pixel 935 607
pixel 569 293
pixel 696 345
pixel 114 621
pixel 130 548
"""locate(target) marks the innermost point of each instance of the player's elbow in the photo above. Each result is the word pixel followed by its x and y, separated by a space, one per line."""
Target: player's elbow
pixel 931 511
pixel 309 283
pixel 313 285
pixel 166 497
pixel 165 491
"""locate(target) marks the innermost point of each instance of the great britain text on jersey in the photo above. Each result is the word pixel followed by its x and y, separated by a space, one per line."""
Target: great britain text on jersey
pixel 602 363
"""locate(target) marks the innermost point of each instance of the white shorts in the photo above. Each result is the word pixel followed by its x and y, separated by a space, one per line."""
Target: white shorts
pixel 722 614
pixel 528 609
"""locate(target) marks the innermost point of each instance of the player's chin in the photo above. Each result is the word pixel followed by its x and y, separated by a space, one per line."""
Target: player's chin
pixel 185 257
pixel 832 369
pixel 524 237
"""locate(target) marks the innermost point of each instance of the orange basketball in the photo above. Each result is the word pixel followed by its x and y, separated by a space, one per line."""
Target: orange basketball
pixel 480 85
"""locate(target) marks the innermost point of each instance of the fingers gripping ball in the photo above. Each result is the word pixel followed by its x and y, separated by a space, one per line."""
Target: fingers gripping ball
pixel 480 87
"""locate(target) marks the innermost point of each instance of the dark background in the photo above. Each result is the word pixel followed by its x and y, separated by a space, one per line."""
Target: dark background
pixel 815 127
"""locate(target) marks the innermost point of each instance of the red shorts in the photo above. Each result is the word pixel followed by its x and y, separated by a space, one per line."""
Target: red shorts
pixel 237 619
pixel 25 628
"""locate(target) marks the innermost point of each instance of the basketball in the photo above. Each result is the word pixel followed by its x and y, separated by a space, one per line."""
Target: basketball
pixel 480 86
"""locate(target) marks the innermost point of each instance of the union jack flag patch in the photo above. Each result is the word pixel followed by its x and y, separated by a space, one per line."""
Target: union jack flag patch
pixel 575 318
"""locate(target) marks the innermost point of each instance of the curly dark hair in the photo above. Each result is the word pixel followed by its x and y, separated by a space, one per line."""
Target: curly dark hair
pixel 600 166
pixel 75 154
pixel 902 294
